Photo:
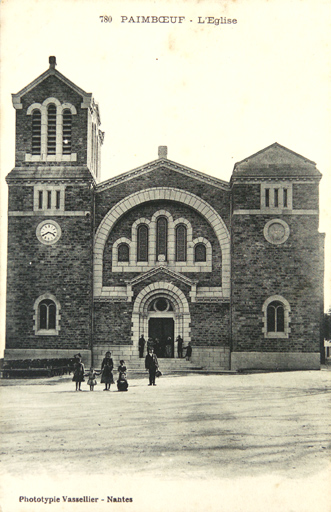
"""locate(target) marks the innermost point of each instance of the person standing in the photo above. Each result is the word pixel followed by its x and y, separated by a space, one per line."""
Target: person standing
pixel 151 364
pixel 107 371
pixel 79 372
pixel 92 378
pixel 141 346
pixel 157 347
pixel 179 346
pixel 188 352
pixel 168 348
pixel 150 343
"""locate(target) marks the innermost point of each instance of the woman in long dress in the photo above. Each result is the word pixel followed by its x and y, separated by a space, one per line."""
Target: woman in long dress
pixel 107 371
pixel 79 372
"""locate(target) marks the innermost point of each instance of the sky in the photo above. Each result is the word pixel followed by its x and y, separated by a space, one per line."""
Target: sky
pixel 213 93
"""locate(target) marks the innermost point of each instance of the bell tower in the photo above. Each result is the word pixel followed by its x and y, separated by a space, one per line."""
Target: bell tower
pixel 50 218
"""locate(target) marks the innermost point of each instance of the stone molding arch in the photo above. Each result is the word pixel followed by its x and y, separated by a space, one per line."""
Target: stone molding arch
pixel 49 332
pixel 161 289
pixel 154 194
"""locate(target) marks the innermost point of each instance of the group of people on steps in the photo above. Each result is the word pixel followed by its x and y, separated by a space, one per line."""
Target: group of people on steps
pixel 164 349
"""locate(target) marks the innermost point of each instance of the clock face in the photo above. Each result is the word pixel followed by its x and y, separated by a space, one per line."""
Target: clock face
pixel 48 232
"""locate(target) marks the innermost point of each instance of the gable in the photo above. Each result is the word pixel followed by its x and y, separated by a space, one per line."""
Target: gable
pixel 165 176
pixel 50 87
pixel 41 82
pixel 165 166
pixel 160 274
pixel 275 160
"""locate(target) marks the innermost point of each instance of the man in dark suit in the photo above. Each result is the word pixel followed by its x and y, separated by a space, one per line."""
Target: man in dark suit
pixel 151 364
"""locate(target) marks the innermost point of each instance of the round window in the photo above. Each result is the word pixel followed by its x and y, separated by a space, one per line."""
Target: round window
pixel 161 305
pixel 276 231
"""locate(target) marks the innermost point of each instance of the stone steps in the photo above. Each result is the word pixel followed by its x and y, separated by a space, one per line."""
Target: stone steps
pixel 167 366
pixel 215 358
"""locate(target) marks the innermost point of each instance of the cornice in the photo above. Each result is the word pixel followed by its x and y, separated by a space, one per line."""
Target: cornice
pixel 244 179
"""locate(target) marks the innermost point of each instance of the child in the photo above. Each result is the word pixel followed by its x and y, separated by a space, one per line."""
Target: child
pixel 122 383
pixel 92 378
pixel 79 372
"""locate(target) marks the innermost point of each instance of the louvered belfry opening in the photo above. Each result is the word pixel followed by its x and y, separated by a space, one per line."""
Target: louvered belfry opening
pixel 67 127
pixel 36 132
pixel 51 130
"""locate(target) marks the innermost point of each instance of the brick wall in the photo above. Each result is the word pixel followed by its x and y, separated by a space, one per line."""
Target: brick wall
pixel 63 269
pixel 210 323
pixel 305 196
pixel 261 269
pixel 78 198
pixel 246 197
pixel 20 198
pixel 112 322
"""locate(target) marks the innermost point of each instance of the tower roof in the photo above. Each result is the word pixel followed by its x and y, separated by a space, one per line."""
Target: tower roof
pixel 51 71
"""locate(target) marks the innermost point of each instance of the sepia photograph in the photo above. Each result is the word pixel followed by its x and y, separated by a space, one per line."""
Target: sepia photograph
pixel 165 294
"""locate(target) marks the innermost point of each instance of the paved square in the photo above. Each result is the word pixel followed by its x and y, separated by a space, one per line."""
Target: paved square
pixel 195 428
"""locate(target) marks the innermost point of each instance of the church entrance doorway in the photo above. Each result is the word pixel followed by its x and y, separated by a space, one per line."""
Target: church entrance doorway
pixel 161 311
pixel 161 330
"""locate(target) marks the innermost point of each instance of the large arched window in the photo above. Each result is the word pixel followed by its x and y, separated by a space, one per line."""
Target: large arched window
pixel 36 132
pixel 200 253
pixel 47 314
pixel 275 317
pixel 161 237
pixel 181 238
pixel 142 243
pixel 51 129
pixel 123 252
pixel 66 132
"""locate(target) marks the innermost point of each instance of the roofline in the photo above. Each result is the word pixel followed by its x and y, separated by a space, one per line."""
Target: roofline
pixel 16 98
pixel 275 144
pixel 211 180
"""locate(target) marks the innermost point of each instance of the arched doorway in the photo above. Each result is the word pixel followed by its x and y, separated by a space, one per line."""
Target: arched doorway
pixel 161 311
pixel 161 326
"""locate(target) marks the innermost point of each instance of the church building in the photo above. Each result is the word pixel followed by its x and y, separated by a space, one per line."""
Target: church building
pixel 234 268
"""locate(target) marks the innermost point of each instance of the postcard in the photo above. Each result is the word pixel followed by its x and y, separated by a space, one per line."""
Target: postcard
pixel 165 221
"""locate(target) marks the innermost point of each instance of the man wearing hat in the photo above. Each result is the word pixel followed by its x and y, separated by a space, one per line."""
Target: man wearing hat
pixel 151 364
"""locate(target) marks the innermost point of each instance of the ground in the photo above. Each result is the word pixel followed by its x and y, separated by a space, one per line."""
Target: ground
pixel 194 442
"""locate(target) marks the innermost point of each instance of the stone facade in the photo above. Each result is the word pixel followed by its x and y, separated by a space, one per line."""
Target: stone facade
pixel 235 268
